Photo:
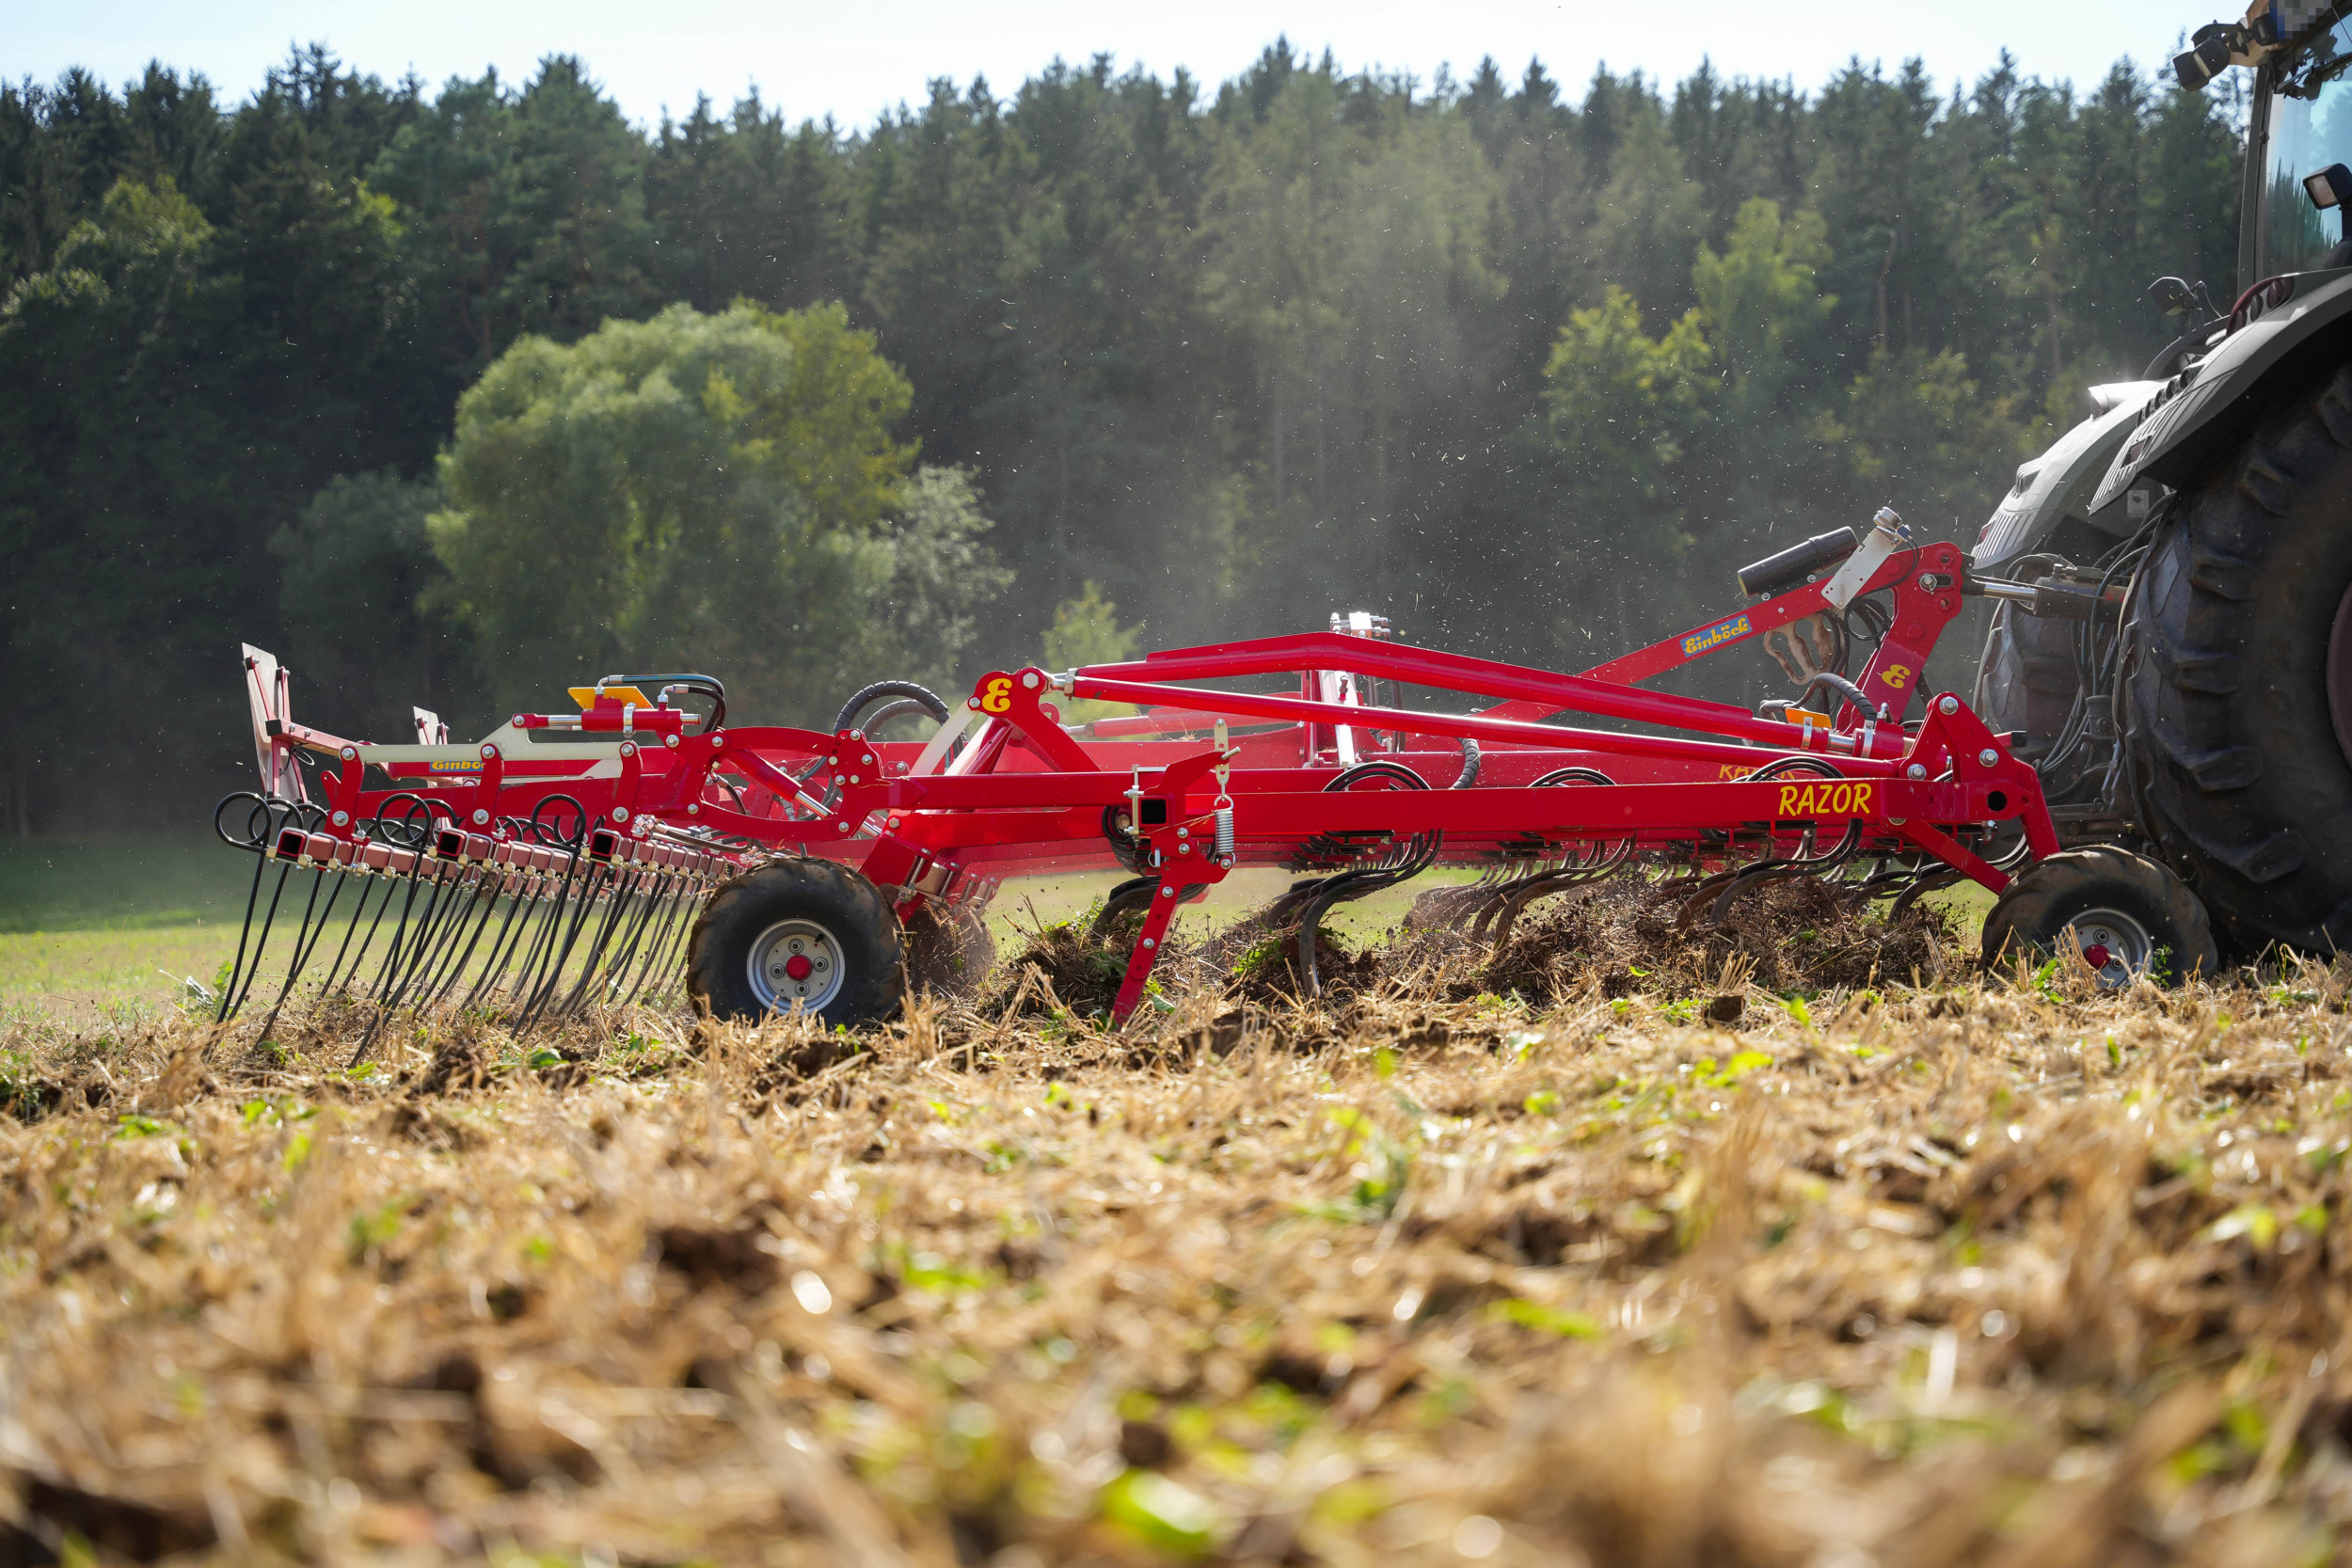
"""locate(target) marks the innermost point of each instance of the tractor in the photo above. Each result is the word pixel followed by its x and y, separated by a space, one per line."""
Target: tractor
pixel 2173 648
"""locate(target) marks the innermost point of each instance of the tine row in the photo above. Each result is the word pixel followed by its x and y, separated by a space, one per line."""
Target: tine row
pixel 538 931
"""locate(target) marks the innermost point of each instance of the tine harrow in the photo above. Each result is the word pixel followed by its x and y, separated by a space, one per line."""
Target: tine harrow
pixel 574 860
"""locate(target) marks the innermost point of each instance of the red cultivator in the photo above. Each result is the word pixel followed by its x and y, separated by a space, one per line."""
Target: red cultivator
pixel 570 859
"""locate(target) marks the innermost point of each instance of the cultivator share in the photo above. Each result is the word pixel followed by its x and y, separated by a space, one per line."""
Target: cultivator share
pixel 568 861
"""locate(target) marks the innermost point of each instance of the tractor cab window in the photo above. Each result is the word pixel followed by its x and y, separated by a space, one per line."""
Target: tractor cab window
pixel 2310 127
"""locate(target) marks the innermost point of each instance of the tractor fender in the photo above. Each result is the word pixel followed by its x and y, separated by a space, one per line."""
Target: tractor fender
pixel 2057 485
pixel 2206 409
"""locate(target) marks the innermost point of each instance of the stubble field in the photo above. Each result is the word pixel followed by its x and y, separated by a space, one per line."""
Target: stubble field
pixel 1805 1244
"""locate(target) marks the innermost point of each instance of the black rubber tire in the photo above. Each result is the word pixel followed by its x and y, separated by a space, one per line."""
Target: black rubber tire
pixel 2048 897
pixel 2235 765
pixel 948 952
pixel 848 906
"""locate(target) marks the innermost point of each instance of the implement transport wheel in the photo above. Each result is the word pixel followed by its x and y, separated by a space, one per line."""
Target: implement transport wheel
pixel 797 933
pixel 2129 916
pixel 2239 688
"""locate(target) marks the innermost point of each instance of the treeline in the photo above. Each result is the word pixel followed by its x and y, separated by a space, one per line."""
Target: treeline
pixel 1530 374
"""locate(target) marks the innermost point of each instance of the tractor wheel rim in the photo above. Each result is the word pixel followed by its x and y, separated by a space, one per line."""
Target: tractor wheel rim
pixel 2340 674
pixel 2129 948
pixel 795 964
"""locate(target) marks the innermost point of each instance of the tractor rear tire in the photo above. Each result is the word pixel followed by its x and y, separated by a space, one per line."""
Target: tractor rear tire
pixel 804 934
pixel 2145 916
pixel 2239 768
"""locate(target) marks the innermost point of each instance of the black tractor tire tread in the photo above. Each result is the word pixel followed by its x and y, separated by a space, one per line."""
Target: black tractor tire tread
pixel 839 897
pixel 2233 763
pixel 2048 894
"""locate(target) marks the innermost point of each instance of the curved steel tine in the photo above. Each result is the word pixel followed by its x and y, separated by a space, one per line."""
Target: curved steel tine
pixel 307 944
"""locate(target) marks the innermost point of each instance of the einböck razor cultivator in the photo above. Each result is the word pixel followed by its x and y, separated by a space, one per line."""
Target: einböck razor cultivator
pixel 569 860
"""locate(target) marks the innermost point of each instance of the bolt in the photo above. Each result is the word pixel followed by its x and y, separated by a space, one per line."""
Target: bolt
pixel 342 817
pixel 488 752
pixel 620 814
pixel 1988 756
pixel 1167 893
pixel 480 816
pixel 350 752
pixel 1028 678
pixel 972 702
pixel 830 761
pixel 693 811
pixel 1149 943
pixel 1917 770
pixel 669 741
pixel 1950 704
pixel 1184 833
pixel 1184 849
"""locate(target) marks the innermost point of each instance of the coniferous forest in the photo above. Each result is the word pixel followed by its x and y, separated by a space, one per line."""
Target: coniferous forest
pixel 450 395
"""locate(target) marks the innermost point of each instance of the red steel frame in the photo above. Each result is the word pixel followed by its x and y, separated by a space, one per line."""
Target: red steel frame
pixel 1028 793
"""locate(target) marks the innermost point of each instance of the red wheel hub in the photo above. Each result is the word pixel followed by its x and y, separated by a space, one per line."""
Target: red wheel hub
pixel 2097 956
pixel 798 966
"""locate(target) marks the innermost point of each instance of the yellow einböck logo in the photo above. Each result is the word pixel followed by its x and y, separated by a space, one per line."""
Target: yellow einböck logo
pixel 1716 635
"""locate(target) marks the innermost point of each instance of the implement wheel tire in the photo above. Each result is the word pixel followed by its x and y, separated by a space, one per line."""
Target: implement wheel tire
pixel 2237 736
pixel 803 933
pixel 2144 916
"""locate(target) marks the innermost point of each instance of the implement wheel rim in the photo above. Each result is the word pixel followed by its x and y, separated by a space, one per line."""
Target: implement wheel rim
pixel 2121 939
pixel 795 964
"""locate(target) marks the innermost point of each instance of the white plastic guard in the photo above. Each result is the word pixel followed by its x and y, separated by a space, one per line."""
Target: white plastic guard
pixel 1884 539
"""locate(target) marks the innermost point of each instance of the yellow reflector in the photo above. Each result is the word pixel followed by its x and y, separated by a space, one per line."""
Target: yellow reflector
pixel 586 696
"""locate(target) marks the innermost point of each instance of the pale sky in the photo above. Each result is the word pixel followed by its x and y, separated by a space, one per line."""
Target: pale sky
pixel 856 58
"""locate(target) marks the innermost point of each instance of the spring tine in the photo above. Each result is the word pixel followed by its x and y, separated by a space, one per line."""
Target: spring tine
pixel 391 880
pixel 413 966
pixel 660 889
pixel 679 900
pixel 543 941
pixel 615 904
pixel 301 949
pixel 630 888
pixel 236 968
pixel 487 892
pixel 230 1006
pixel 359 907
pixel 703 877
pixel 527 892
pixel 436 972
pixel 571 936
pixel 655 931
pixel 669 953
pixel 400 932
pixel 306 943
pixel 579 898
